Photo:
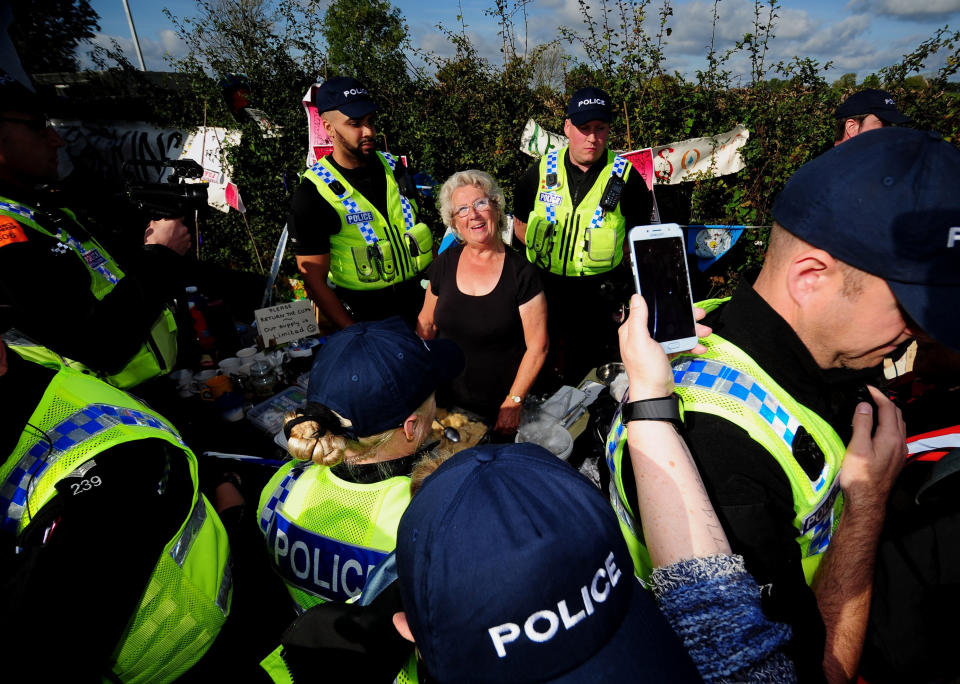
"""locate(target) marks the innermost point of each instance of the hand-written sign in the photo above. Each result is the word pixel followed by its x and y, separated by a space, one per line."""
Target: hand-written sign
pixel 286 322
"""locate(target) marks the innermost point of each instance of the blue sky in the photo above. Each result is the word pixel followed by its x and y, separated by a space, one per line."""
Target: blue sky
pixel 856 35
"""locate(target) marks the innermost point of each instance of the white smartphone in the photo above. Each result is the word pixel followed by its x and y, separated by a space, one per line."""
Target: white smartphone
pixel 662 279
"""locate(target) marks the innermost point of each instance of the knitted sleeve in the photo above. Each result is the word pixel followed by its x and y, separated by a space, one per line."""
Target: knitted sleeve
pixel 713 604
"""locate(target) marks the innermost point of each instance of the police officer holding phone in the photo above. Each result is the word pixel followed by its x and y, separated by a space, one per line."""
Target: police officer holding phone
pixel 354 218
pixel 572 210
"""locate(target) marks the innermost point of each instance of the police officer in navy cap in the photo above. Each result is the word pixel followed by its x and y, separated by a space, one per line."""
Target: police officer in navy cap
pixel 864 253
pixel 865 111
pixel 69 294
pixel 572 210
pixel 353 220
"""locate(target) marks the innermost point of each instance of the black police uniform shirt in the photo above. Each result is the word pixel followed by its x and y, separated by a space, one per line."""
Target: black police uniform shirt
pixel 72 589
pixel 312 220
pixel 49 288
pixel 749 490
pixel 636 201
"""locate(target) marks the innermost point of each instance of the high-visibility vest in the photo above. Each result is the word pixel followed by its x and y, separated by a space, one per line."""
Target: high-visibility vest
pixel 156 356
pixel 325 534
pixel 372 251
pixel 585 241
pixel 727 383
pixel 187 598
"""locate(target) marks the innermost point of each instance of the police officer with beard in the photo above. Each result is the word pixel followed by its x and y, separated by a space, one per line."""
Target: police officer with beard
pixel 354 218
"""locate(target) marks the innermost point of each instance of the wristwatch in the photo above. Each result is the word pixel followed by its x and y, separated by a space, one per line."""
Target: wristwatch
pixel 661 408
pixel 516 399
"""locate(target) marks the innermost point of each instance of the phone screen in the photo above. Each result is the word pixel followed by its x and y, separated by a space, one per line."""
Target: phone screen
pixel 661 267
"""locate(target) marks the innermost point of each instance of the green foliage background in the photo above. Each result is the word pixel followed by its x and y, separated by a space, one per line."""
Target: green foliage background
pixel 462 111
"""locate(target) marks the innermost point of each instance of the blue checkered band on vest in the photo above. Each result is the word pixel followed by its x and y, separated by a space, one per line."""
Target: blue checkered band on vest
pixel 100 268
pixel 17 209
pixel 718 377
pixel 366 230
pixel 72 242
pixel 81 426
pixel 619 164
pixel 280 494
pixel 552 159
pixel 404 202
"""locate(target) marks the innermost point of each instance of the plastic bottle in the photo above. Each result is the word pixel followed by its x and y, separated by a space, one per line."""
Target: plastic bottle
pixel 196 303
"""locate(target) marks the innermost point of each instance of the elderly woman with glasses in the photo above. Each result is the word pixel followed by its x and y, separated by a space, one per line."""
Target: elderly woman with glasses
pixel 487 299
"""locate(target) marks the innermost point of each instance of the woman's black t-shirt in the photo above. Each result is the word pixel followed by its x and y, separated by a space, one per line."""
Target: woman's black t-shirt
pixel 487 328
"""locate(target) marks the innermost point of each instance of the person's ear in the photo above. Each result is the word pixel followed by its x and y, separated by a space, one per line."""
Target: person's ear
pixel 327 126
pixel 400 624
pixel 410 427
pixel 567 125
pixel 851 127
pixel 811 273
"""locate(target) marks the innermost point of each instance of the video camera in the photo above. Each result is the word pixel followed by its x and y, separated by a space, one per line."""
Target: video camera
pixel 170 199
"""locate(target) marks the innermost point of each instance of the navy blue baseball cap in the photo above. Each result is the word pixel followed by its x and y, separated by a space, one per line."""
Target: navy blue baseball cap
pixel 589 104
pixel 880 103
pixel 887 202
pixel 17 97
pixel 346 95
pixel 512 568
pixel 375 374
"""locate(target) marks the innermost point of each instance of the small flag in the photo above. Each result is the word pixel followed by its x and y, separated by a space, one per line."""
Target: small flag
pixel 232 194
pixel 710 243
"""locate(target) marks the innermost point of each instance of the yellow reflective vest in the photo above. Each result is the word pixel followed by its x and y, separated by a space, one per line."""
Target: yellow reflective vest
pixel 372 251
pixel 727 383
pixel 187 598
pixel 325 534
pixel 585 241
pixel 156 356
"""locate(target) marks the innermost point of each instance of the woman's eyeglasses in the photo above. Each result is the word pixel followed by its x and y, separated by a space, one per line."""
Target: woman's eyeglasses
pixel 481 204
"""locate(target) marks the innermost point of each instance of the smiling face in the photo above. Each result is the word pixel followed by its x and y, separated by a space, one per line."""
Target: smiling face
pixel 28 148
pixel 588 141
pixel 478 227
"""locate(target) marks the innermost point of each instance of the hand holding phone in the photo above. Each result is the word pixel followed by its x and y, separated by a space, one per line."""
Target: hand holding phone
pixel 661 277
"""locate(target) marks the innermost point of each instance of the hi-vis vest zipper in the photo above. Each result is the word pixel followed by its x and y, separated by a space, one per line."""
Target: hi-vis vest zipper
pixel 727 383
pixel 587 241
pixel 187 599
pixel 156 356
pixel 372 251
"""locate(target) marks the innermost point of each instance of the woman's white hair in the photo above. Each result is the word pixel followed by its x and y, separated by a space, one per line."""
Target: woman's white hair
pixel 478 179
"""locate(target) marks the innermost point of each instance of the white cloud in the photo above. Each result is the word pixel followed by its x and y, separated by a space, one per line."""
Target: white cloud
pixel 908 9
pixel 155 50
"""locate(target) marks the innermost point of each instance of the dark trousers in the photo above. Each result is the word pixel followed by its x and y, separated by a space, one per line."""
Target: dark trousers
pixel 581 320
pixel 404 299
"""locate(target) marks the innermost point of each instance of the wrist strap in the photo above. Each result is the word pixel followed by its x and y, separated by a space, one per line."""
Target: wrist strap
pixel 661 408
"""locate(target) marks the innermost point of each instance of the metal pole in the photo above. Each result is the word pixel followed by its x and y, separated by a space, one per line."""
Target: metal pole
pixel 133 34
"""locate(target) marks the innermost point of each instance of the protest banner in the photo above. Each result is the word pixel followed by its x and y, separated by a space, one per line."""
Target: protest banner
pixel 318 143
pixel 642 162
pixel 689 160
pixel 678 162
pixel 208 147
pixel 536 141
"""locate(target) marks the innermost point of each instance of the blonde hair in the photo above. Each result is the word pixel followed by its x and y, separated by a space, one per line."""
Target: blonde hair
pixel 426 467
pixel 478 179
pixel 322 437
